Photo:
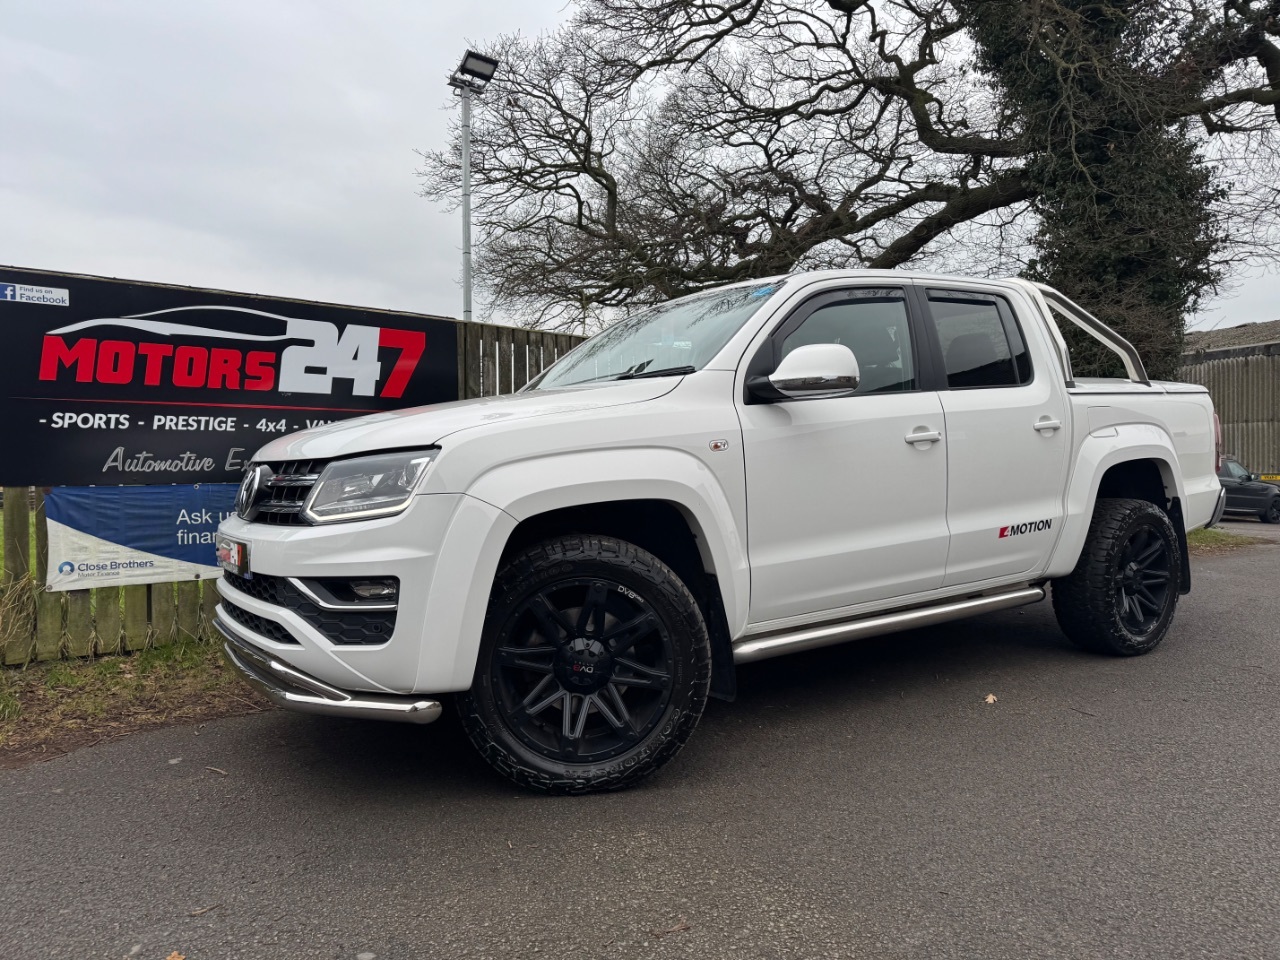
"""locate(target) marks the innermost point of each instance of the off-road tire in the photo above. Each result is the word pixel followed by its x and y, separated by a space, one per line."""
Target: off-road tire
pixel 633 576
pixel 1090 602
pixel 1272 513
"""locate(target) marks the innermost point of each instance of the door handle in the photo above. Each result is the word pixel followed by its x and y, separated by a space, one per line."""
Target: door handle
pixel 923 436
pixel 1046 423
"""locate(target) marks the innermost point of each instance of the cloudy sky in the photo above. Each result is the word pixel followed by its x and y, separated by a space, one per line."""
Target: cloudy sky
pixel 259 146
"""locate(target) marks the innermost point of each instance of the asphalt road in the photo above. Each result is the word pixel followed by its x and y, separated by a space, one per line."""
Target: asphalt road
pixel 857 802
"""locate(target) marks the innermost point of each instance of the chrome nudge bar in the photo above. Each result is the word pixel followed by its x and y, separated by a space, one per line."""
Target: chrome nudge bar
pixel 294 690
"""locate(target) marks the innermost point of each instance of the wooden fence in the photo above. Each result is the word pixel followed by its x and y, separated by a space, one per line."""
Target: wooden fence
pixel 494 360
pixel 36 624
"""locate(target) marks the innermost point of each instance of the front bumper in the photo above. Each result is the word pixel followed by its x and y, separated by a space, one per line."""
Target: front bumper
pixel 295 690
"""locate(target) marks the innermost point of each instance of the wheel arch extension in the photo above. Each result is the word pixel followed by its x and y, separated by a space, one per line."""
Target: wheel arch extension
pixel 1138 462
pixel 665 501
pixel 672 534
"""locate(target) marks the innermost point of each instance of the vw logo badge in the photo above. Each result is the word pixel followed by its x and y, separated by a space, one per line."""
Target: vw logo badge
pixel 249 486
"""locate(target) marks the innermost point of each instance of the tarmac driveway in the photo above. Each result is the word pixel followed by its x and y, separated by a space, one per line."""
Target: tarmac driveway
pixel 863 801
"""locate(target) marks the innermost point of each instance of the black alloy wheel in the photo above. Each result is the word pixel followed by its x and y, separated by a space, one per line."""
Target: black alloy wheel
pixel 593 668
pixel 1122 595
pixel 1145 580
pixel 1272 513
pixel 585 670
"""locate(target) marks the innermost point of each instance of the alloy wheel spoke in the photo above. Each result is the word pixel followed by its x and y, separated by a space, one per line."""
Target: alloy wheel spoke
pixel 620 706
pixel 606 711
pixel 1133 610
pixel 1144 559
pixel 581 724
pixel 1153 578
pixel 1143 598
pixel 519 658
pixel 566 715
pixel 593 610
pixel 547 701
pixel 552 624
pixel 648 676
pixel 623 638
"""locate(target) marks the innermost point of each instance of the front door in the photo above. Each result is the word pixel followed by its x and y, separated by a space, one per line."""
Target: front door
pixel 842 507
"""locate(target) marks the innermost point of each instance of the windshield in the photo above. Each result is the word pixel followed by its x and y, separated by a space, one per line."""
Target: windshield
pixel 670 339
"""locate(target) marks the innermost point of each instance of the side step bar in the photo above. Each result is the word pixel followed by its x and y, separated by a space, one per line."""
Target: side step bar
pixel 810 638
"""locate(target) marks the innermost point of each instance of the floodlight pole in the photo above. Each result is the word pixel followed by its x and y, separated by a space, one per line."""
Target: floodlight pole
pixel 472 76
pixel 466 203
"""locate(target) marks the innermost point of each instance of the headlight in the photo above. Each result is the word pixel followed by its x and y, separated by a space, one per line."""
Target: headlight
pixel 367 486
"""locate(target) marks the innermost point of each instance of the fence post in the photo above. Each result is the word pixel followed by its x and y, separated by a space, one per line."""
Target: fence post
pixel 474 355
pixel 136 629
pixel 209 600
pixel 461 329
pixel 504 360
pixel 488 363
pixel 48 603
pixel 520 357
pixel 164 613
pixel 188 611
pixel 106 618
pixel 19 611
pixel 79 623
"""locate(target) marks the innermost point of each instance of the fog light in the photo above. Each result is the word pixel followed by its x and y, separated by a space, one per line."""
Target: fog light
pixel 375 589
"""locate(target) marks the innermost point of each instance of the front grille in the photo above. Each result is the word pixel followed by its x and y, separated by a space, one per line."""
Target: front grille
pixel 282 491
pixel 259 625
pixel 338 626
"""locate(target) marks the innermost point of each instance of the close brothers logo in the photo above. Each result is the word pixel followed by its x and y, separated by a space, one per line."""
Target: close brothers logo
pixel 66 566
pixel 1018 529
pixel 308 367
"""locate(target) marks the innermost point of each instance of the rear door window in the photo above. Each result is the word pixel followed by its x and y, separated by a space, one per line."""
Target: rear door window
pixel 980 341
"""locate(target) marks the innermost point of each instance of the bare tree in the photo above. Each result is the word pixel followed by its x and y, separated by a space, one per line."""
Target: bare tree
pixel 648 150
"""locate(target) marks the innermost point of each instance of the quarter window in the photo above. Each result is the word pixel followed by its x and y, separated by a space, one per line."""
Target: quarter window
pixel 871 323
pixel 980 341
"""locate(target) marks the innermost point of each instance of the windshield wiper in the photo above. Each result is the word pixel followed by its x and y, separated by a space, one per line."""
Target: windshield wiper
pixel 635 373
pixel 662 372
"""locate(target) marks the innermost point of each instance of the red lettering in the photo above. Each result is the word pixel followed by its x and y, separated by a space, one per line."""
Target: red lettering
pixel 259 370
pixel 80 357
pixel 224 368
pixel 411 344
pixel 155 354
pixel 115 361
pixel 190 364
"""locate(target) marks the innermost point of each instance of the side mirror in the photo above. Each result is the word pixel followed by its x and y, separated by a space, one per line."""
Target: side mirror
pixel 819 371
pixel 1255 477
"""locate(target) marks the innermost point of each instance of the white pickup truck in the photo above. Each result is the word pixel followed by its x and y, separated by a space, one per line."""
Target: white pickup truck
pixel 757 469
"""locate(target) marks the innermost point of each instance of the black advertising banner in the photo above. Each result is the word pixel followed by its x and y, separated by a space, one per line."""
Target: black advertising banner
pixel 114 381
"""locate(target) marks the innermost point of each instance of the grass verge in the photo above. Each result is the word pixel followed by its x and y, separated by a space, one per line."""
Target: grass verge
pixel 1207 542
pixel 49 709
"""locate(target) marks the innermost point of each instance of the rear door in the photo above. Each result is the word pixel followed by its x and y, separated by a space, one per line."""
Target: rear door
pixel 1006 413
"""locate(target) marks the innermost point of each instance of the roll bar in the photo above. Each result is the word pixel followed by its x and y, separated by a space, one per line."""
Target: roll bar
pixel 1099 331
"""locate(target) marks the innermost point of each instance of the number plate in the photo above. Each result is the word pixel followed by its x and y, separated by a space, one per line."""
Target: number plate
pixel 234 556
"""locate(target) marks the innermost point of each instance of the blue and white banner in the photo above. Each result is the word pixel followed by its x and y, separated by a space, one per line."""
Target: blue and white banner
pixel 113 536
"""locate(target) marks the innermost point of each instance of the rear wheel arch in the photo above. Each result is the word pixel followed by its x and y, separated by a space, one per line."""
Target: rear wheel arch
pixel 1138 463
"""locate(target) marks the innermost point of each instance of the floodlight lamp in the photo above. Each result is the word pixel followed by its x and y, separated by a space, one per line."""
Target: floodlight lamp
pixel 479 66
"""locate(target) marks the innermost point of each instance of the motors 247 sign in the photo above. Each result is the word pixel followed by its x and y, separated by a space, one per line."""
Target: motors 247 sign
pixel 111 381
